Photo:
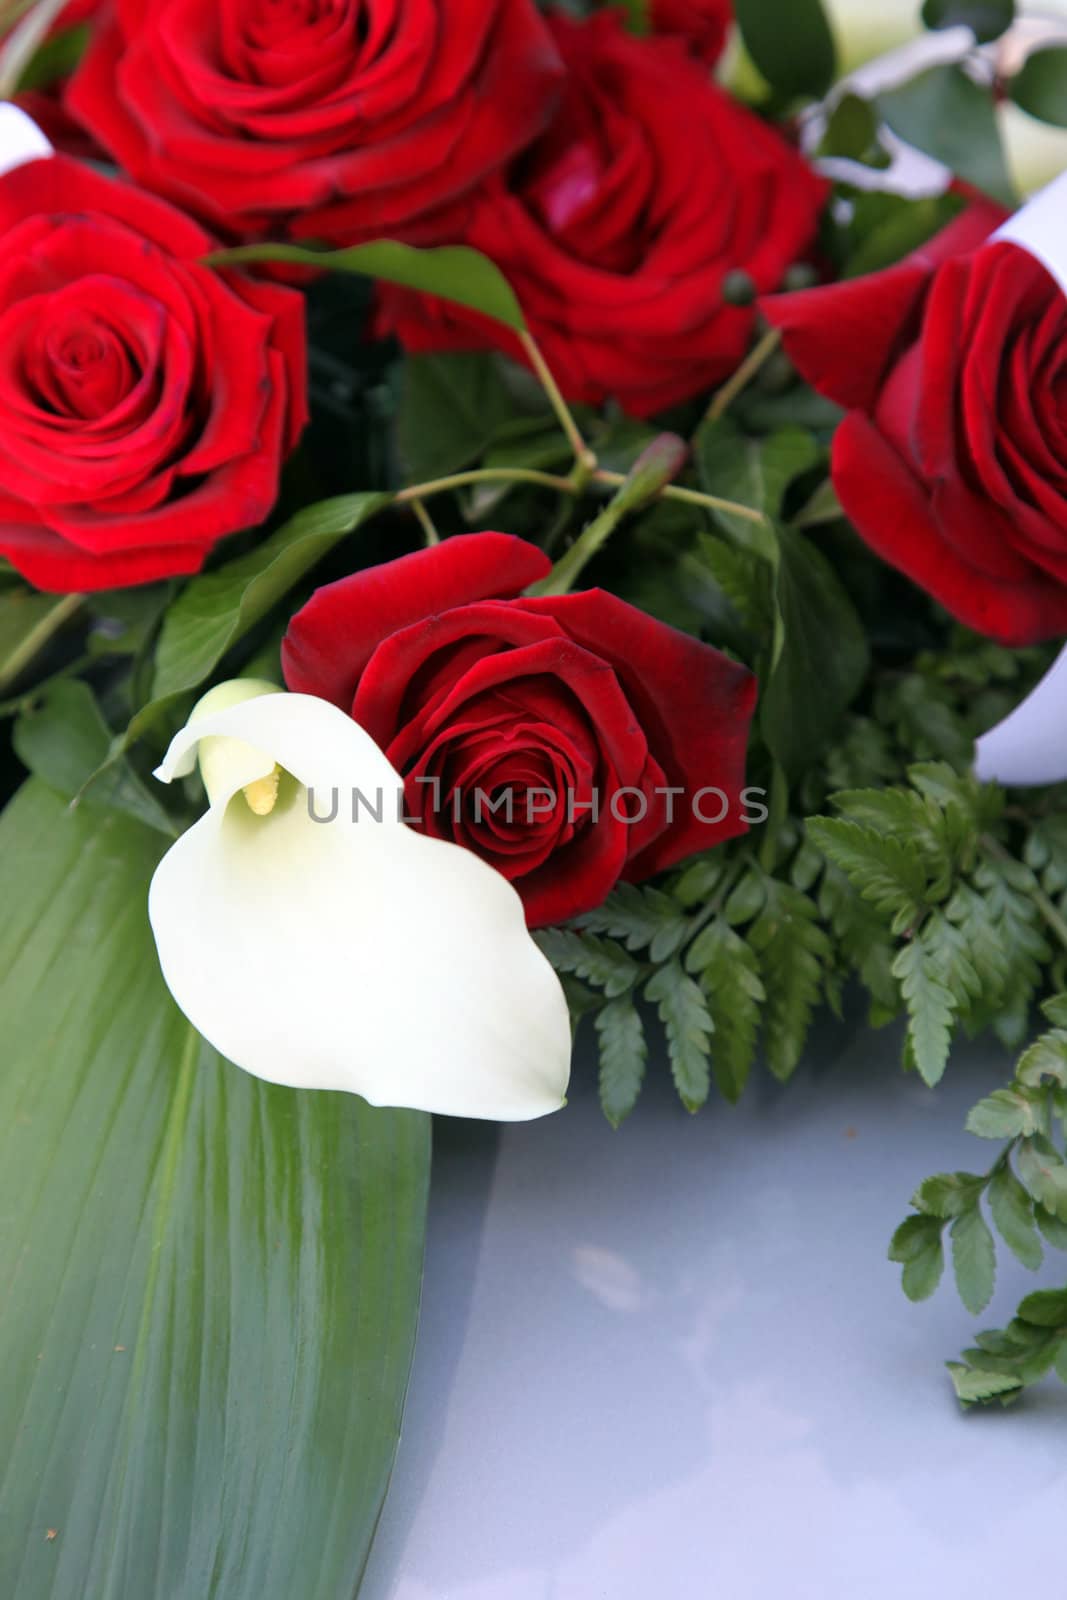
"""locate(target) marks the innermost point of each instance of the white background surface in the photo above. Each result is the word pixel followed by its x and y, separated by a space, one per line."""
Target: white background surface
pixel 672 1363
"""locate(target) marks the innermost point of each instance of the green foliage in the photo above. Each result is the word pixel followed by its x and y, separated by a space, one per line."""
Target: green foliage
pixel 451 272
pixel 211 1284
pixel 988 19
pixel 1040 87
pixel 946 114
pixel 1026 1192
pixel 790 42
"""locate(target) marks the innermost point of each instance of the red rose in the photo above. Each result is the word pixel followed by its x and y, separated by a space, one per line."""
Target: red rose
pixel 952 461
pixel 146 402
pixel 703 24
pixel 476 693
pixel 352 118
pixel 618 227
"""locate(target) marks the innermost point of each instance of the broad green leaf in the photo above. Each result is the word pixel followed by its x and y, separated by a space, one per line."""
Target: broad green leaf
pixel 210 1285
pixel 623 1054
pixel 790 42
pixel 62 738
pixel 752 472
pixel 823 661
pixel 451 272
pixel 451 407
pixel 218 609
pixel 953 119
pixel 1013 1214
pixel 973 1259
pixel 988 19
pixel 1045 1309
pixel 917 1245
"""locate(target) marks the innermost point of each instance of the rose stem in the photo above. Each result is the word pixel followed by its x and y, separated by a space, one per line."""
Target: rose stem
pixel 733 386
pixel 39 636
pixel 429 532
pixel 584 459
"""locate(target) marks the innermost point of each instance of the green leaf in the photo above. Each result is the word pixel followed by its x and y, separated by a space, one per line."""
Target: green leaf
pixel 823 661
pixel 952 119
pixel 931 1010
pixel 735 996
pixel 451 407
pixel 218 609
pixel 973 1259
pixel 1045 1061
pixel 752 472
pixel 1040 87
pixel 948 1194
pixel 1013 1214
pixel 644 919
pixel 623 1054
pixel 1005 1114
pixel 988 19
pixel 600 961
pixel 451 272
pixel 211 1284
pixel 1043 1173
pixel 1051 1226
pixel 917 1246
pixel 885 869
pixel 1055 1009
pixel 688 1028
pixel 1045 1309
pixel 975 1387
pixel 790 42
pixel 794 953
pixel 638 17
pixel 63 739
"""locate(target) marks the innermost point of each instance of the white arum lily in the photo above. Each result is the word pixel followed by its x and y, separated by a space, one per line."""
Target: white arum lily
pixel 21 140
pixel 1030 746
pixel 341 954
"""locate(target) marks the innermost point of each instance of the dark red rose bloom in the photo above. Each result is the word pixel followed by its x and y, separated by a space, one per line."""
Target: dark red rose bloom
pixel 952 461
pixel 146 401
pixel 703 24
pixel 618 227
pixel 476 692
pixel 348 118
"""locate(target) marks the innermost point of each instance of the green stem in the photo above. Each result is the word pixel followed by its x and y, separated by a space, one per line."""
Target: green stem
pixel 461 480
pixel 425 521
pixel 584 459
pixel 752 363
pixel 35 641
pixel 593 537
pixel 689 497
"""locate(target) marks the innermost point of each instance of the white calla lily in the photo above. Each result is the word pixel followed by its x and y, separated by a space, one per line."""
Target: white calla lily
pixel 346 954
pixel 21 140
pixel 1030 746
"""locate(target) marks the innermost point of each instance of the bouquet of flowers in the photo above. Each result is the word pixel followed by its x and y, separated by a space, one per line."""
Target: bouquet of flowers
pixel 514 518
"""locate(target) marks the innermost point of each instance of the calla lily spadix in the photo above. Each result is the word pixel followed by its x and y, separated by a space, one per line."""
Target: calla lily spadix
pixel 346 954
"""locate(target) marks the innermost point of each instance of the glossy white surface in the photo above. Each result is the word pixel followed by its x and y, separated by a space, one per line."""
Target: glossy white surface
pixel 673 1361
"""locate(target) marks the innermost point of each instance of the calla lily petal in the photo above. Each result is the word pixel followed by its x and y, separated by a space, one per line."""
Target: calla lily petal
pixel 1030 746
pixel 21 140
pixel 354 955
